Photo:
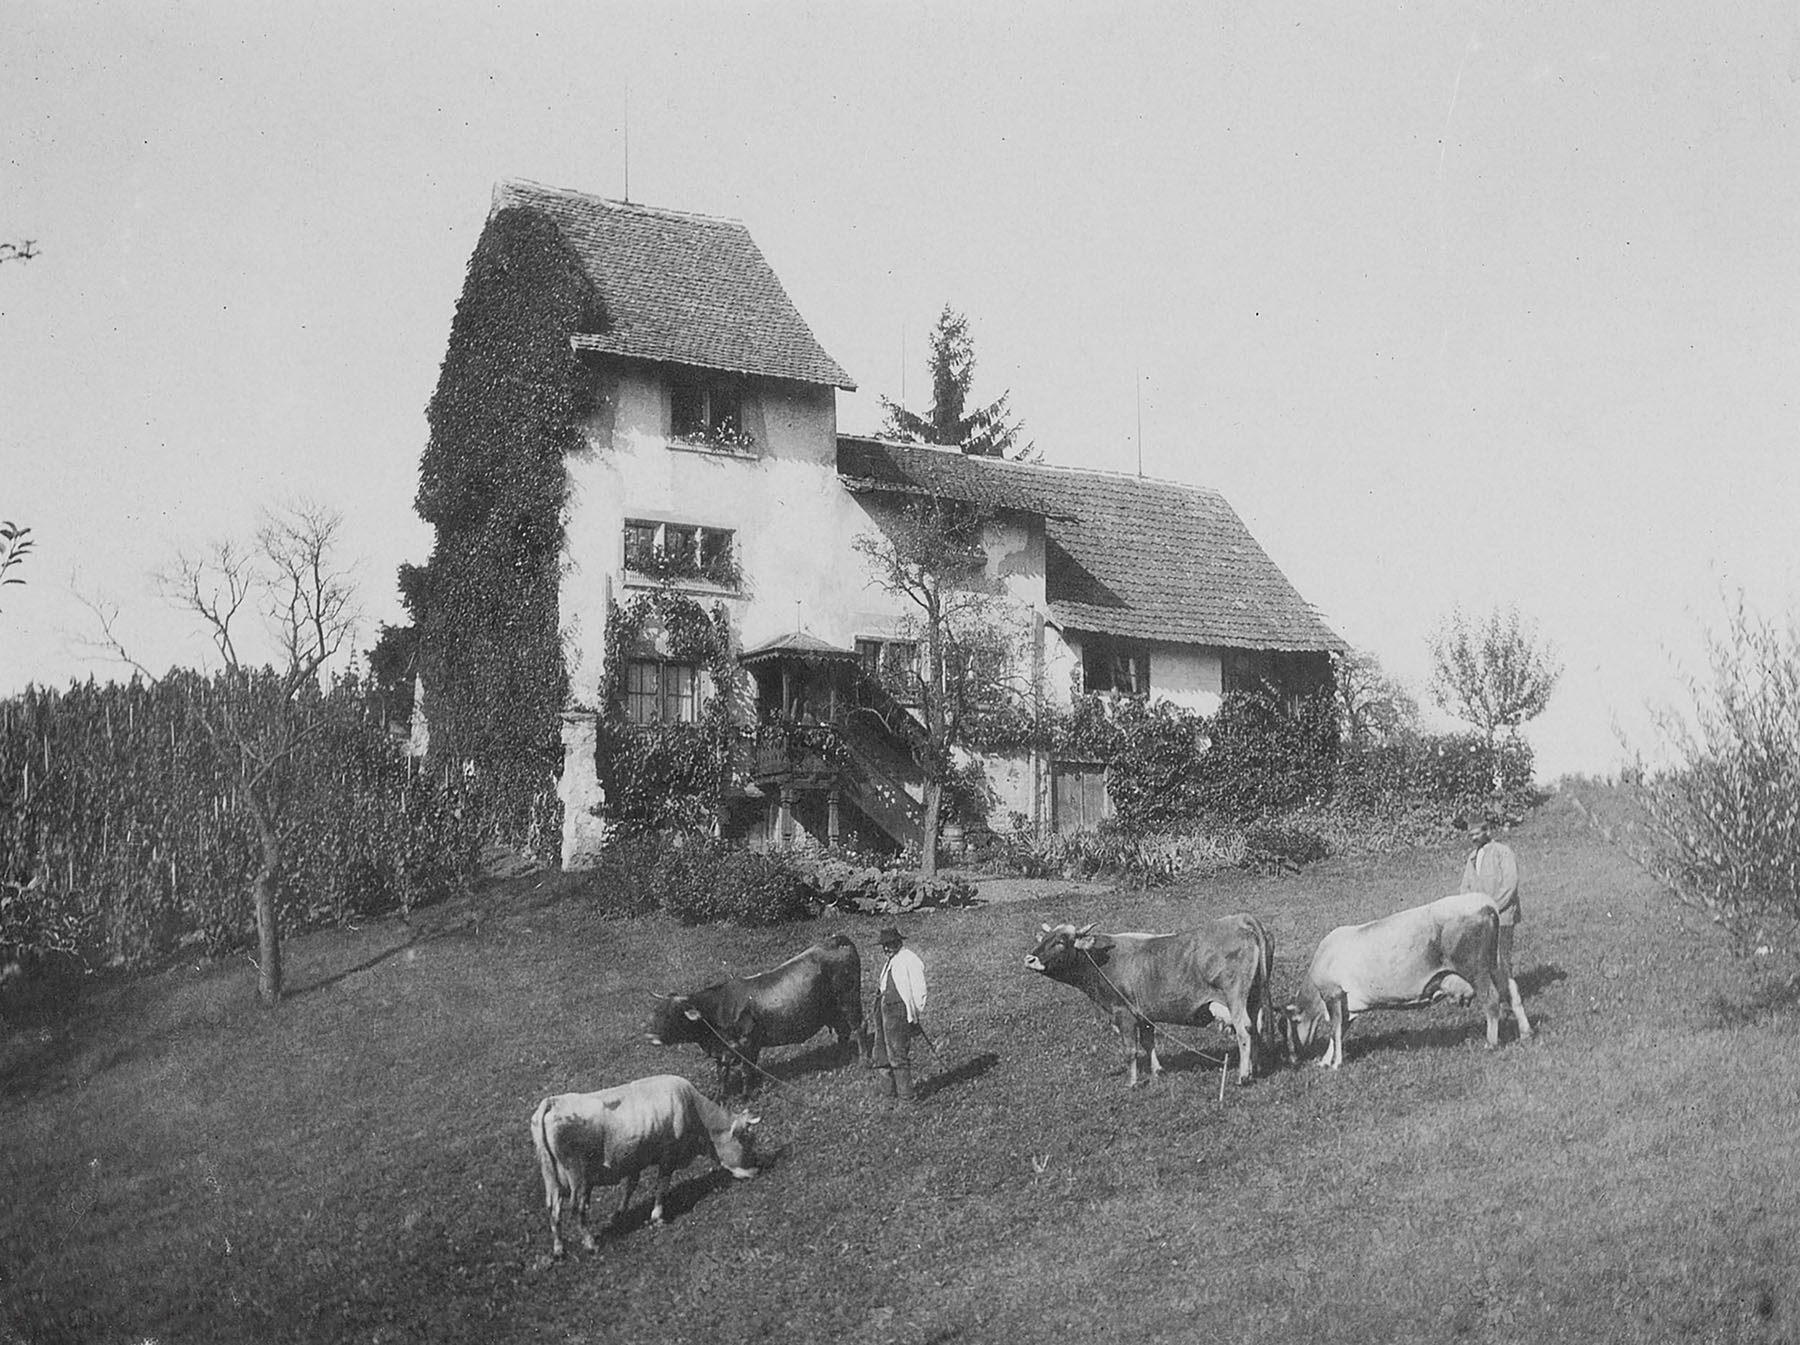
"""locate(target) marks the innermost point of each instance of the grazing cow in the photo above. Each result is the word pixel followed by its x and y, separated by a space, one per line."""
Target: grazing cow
pixel 584 1140
pixel 1401 961
pixel 733 1020
pixel 1218 972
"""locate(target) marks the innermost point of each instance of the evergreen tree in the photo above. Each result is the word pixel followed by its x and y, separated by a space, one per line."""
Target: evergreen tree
pixel 989 431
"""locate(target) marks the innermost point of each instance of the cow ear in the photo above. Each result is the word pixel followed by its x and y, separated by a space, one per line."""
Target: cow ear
pixel 692 1014
pixel 1046 929
pixel 746 1020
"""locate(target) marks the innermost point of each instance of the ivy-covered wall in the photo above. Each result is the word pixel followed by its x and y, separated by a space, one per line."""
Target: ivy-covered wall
pixel 492 484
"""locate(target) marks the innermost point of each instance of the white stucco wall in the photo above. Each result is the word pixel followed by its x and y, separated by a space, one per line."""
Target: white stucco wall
pixel 1190 676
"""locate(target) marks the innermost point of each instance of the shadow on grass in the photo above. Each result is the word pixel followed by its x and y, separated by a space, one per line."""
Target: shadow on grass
pixel 826 1056
pixel 684 1194
pixel 1431 1036
pixel 325 982
pixel 968 1071
pixel 1539 979
pixel 1772 998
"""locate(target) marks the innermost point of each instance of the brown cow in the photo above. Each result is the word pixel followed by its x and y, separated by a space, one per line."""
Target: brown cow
pixel 1219 972
pixel 819 987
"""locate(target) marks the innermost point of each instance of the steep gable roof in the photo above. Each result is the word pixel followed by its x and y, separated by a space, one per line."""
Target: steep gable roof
pixel 688 289
pixel 1127 556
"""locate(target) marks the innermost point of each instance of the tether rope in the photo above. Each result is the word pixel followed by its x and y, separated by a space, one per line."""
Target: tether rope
pixel 1143 1017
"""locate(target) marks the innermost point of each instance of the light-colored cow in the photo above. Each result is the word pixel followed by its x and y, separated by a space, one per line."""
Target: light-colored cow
pixel 1401 961
pixel 584 1140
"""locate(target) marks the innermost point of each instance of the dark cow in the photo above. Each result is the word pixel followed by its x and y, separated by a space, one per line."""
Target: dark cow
pixel 1401 961
pixel 733 1020
pixel 584 1140
pixel 1219 972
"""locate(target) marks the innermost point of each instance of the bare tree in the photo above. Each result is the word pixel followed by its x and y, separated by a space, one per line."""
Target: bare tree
pixel 930 554
pixel 1494 673
pixel 290 577
pixel 15 545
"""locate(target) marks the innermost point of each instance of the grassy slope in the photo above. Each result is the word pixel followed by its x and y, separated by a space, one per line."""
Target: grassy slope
pixel 356 1166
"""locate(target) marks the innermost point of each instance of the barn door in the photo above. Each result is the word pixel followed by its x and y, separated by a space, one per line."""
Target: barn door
pixel 1078 796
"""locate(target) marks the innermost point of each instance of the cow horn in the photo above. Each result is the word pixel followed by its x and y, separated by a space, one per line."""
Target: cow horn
pixel 1086 930
pixel 658 994
pixel 1046 929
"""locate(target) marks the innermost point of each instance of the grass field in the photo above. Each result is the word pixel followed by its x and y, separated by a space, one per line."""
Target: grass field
pixel 182 1166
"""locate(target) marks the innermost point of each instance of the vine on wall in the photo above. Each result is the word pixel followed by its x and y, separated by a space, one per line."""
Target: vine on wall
pixel 492 482
pixel 669 776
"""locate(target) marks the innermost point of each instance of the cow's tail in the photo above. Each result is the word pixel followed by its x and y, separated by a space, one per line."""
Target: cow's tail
pixel 547 1164
pixel 1262 998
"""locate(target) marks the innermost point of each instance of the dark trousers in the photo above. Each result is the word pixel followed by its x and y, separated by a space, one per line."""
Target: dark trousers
pixel 893 1045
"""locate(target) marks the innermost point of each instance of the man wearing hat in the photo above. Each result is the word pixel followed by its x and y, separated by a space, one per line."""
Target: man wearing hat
pixel 899 1014
pixel 1493 870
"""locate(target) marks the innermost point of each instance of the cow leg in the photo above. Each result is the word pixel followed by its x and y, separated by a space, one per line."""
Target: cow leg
pixel 1503 949
pixel 630 1189
pixel 1334 1050
pixel 1147 1044
pixel 1490 1003
pixel 662 1190
pixel 1246 1060
pixel 1518 1009
pixel 1130 1031
pixel 553 1199
pixel 584 1195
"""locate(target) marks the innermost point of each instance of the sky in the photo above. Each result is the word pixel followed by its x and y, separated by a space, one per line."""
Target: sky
pixel 1459 305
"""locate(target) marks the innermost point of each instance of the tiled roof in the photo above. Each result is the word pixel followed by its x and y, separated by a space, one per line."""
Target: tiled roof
pixel 689 289
pixel 1127 556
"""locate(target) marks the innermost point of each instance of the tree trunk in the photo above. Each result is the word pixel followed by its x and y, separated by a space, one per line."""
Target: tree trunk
pixel 934 802
pixel 268 933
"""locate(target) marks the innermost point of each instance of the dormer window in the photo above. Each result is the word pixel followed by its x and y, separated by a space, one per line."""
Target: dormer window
pixel 708 414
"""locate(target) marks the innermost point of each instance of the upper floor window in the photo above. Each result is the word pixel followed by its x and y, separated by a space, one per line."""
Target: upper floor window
pixel 893 663
pixel 708 413
pixel 657 692
pixel 681 551
pixel 1115 665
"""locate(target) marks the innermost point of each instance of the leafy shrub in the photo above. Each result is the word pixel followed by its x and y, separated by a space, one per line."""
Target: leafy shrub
pixel 696 879
pixel 1453 771
pixel 1274 847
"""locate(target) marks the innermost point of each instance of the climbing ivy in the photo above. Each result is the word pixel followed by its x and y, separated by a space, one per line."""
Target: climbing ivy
pixel 492 482
pixel 669 776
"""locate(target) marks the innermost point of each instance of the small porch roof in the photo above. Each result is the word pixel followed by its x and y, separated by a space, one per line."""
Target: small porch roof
pixel 797 645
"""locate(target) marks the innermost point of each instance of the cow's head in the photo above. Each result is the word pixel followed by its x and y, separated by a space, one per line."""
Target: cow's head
pixel 673 1020
pixel 735 1146
pixel 681 1018
pixel 1302 1020
pixel 1060 947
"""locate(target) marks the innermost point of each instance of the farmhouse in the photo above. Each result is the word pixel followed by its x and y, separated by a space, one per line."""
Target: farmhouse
pixel 635 433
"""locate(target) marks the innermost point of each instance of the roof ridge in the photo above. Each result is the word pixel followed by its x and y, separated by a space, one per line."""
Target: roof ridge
pixel 988 462
pixel 525 184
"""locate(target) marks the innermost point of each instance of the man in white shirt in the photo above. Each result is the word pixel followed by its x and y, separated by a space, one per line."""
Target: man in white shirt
pixel 899 1014
pixel 1493 869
